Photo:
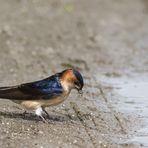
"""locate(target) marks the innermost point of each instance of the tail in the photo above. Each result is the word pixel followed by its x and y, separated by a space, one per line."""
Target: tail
pixel 8 92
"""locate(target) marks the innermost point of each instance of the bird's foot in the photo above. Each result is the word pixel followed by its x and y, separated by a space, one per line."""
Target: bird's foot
pixel 44 120
pixel 39 111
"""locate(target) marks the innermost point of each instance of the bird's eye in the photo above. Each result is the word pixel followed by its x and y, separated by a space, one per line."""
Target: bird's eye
pixel 76 83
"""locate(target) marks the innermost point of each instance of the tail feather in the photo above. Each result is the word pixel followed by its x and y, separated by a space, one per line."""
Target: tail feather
pixel 8 92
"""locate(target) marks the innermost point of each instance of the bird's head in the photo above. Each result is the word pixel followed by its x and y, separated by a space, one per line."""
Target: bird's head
pixel 72 79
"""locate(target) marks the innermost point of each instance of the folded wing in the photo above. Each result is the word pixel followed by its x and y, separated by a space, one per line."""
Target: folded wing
pixel 43 89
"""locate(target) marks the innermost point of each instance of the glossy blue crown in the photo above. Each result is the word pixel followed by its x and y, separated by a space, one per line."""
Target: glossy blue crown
pixel 78 76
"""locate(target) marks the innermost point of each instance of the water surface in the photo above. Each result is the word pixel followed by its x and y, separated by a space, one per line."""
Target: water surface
pixel 133 100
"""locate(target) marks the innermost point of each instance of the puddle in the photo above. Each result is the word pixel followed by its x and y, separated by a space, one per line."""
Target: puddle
pixel 134 100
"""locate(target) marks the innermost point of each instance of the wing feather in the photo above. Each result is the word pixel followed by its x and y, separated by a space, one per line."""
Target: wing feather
pixel 43 89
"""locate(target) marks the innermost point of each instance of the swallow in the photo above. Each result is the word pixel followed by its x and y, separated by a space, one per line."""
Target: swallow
pixel 38 95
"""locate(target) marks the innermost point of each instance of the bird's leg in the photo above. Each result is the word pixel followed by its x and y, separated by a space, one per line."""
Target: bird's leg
pixel 44 120
pixel 39 112
pixel 24 113
pixel 45 112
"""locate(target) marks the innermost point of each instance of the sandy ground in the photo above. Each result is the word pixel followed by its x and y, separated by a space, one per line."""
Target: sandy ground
pixel 100 38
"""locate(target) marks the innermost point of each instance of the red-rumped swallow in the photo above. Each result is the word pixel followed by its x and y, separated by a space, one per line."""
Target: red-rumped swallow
pixel 43 93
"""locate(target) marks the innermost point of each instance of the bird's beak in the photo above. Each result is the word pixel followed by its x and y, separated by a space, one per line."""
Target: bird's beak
pixel 79 89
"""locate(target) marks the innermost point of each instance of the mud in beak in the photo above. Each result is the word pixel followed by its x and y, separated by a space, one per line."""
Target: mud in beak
pixel 79 89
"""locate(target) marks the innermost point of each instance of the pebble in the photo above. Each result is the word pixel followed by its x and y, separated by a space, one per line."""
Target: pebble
pixel 75 141
pixel 40 132
pixel 55 129
pixel 63 105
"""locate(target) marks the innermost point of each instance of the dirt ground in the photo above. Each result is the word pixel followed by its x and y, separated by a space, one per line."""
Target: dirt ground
pixel 100 38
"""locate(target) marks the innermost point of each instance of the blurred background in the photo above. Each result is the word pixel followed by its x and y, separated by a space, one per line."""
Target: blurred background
pixel 41 37
pixel 107 41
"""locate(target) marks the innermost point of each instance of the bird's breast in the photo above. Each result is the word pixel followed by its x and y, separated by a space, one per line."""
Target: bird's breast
pixel 33 104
